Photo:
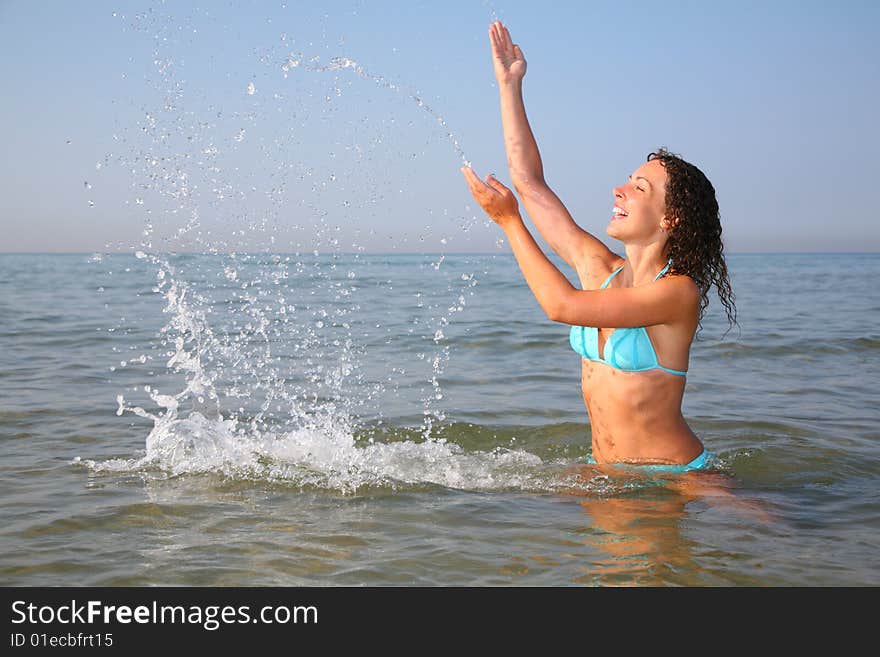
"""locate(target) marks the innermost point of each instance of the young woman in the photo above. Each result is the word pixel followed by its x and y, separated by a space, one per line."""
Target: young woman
pixel 635 318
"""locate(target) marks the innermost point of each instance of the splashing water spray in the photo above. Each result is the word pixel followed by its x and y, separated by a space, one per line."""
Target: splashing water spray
pixel 272 348
pixel 341 63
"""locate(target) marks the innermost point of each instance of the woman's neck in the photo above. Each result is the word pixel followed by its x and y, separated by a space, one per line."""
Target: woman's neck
pixel 643 262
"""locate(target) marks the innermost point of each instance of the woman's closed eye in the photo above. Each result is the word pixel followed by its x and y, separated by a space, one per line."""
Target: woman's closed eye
pixel 629 180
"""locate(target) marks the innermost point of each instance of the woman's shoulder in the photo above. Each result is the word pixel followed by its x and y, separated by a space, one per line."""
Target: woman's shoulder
pixel 684 281
pixel 687 292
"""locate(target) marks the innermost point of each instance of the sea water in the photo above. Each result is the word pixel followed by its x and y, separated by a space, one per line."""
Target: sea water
pixel 333 476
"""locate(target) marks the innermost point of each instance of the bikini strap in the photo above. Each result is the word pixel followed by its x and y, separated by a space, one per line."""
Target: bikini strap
pixel 619 269
pixel 664 270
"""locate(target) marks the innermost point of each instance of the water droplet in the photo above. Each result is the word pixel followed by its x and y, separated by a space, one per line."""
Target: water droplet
pixel 86 184
pixel 91 204
pixel 251 89
pixel 139 201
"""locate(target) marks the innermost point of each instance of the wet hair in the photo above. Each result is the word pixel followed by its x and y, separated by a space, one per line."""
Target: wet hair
pixel 695 245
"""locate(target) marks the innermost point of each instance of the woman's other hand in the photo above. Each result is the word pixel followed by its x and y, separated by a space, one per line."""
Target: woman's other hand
pixel 510 65
pixel 495 199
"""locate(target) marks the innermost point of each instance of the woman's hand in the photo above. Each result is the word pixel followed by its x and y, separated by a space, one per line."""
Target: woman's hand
pixel 495 199
pixel 510 65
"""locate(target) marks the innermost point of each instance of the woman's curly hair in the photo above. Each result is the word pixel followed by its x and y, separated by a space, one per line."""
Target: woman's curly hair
pixel 695 245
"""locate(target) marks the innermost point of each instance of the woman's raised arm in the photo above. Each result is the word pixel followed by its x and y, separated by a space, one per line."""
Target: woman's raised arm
pixel 576 246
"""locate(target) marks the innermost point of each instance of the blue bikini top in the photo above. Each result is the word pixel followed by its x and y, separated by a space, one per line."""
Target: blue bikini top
pixel 626 349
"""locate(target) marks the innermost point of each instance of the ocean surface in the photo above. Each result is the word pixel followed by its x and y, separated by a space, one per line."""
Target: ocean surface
pixel 329 419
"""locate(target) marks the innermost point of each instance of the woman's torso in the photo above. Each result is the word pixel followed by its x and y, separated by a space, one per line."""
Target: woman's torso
pixel 636 416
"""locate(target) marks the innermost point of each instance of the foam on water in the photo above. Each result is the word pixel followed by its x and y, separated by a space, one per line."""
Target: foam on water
pixel 327 457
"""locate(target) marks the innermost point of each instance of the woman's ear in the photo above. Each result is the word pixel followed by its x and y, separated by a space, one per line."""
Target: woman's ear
pixel 667 224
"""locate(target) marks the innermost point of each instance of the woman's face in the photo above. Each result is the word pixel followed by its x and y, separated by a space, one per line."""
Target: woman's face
pixel 640 206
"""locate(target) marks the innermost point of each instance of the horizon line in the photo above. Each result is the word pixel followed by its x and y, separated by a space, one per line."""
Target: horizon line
pixel 425 253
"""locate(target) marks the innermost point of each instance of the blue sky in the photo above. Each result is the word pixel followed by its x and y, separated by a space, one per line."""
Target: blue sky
pixel 114 123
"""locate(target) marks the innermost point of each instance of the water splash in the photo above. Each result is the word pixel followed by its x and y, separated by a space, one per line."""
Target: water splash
pixel 339 63
pixel 190 434
pixel 262 362
pixel 326 457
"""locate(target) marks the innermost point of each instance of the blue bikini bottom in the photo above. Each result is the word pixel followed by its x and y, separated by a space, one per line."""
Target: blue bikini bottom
pixel 702 462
